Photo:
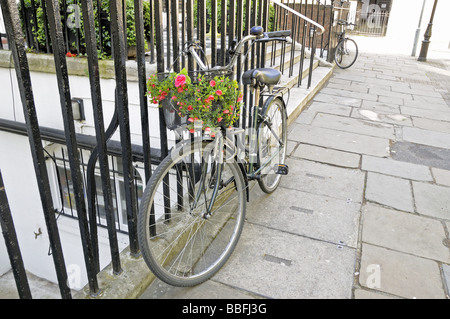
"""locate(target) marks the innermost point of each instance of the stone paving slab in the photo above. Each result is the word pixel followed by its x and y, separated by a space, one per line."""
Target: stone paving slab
pixel 307 214
pixel 396 168
pixel 420 136
pixel 330 108
pixel 405 232
pixel 390 191
pixel 328 156
pixel 400 274
pixel 340 140
pixel 371 294
pixel 424 113
pixel 432 125
pixel 208 290
pixel 381 106
pixel 329 98
pixel 441 176
pixel 446 272
pixel 432 200
pixel 383 116
pixel 317 178
pixel 304 268
pixel 352 125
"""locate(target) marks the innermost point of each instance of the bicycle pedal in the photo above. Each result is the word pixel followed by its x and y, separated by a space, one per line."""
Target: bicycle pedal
pixel 281 169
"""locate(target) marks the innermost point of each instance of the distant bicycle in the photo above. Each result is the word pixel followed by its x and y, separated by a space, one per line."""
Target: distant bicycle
pixel 347 50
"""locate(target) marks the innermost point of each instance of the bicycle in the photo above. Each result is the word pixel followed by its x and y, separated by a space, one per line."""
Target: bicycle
pixel 346 50
pixel 193 208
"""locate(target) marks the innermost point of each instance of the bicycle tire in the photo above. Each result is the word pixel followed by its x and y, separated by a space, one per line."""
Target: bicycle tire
pixel 268 144
pixel 346 53
pixel 184 248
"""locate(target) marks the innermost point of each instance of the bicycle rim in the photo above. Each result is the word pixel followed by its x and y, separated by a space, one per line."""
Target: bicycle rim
pixel 180 245
pixel 346 53
pixel 270 150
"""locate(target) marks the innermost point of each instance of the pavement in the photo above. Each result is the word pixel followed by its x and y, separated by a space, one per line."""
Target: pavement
pixel 365 210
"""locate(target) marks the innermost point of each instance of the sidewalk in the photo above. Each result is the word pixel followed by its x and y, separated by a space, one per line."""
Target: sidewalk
pixel 365 209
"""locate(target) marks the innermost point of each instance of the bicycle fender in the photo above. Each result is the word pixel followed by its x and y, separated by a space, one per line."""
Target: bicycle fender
pixel 271 98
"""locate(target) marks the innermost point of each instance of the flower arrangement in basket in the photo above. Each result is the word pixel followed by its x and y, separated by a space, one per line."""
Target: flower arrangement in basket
pixel 205 100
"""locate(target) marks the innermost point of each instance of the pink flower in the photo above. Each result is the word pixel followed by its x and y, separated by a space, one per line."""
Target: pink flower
pixel 207 129
pixel 212 83
pixel 219 92
pixel 189 107
pixel 190 119
pixel 174 97
pixel 192 130
pixel 226 112
pixel 219 119
pixel 180 80
pixel 210 97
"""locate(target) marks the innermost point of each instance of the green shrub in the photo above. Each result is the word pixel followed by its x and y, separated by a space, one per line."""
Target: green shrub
pixel 104 48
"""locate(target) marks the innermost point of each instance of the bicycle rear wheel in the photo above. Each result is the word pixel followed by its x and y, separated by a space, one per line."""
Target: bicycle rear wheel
pixel 346 53
pixel 272 144
pixel 182 241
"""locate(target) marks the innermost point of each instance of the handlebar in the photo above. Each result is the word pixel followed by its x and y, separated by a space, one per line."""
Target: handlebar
pixel 256 35
pixel 344 22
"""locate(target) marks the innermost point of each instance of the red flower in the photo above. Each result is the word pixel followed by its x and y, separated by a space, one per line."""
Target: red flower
pixel 219 119
pixel 219 92
pixel 190 108
pixel 212 83
pixel 180 80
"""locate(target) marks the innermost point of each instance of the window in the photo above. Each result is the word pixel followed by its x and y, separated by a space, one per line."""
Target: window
pixel 62 186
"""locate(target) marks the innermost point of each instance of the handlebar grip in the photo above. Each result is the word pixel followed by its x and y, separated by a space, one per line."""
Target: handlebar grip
pixel 278 34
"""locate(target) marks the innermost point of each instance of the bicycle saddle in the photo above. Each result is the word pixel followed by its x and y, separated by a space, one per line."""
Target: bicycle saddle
pixel 263 75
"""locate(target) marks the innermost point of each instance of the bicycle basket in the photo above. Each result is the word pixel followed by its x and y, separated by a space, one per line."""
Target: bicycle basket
pixel 170 106
pixel 171 117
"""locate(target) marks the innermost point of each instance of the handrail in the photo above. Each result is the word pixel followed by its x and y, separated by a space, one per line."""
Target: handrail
pixel 282 5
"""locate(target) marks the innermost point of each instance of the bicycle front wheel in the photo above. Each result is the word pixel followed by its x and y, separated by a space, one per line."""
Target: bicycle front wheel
pixel 191 215
pixel 272 144
pixel 346 53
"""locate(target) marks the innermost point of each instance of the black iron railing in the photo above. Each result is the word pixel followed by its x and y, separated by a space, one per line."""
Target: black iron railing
pixel 160 33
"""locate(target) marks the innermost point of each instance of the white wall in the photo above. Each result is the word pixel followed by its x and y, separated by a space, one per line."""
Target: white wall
pixel 25 204
pixel 404 19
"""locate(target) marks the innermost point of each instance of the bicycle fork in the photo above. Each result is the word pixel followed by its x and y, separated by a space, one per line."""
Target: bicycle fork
pixel 216 167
